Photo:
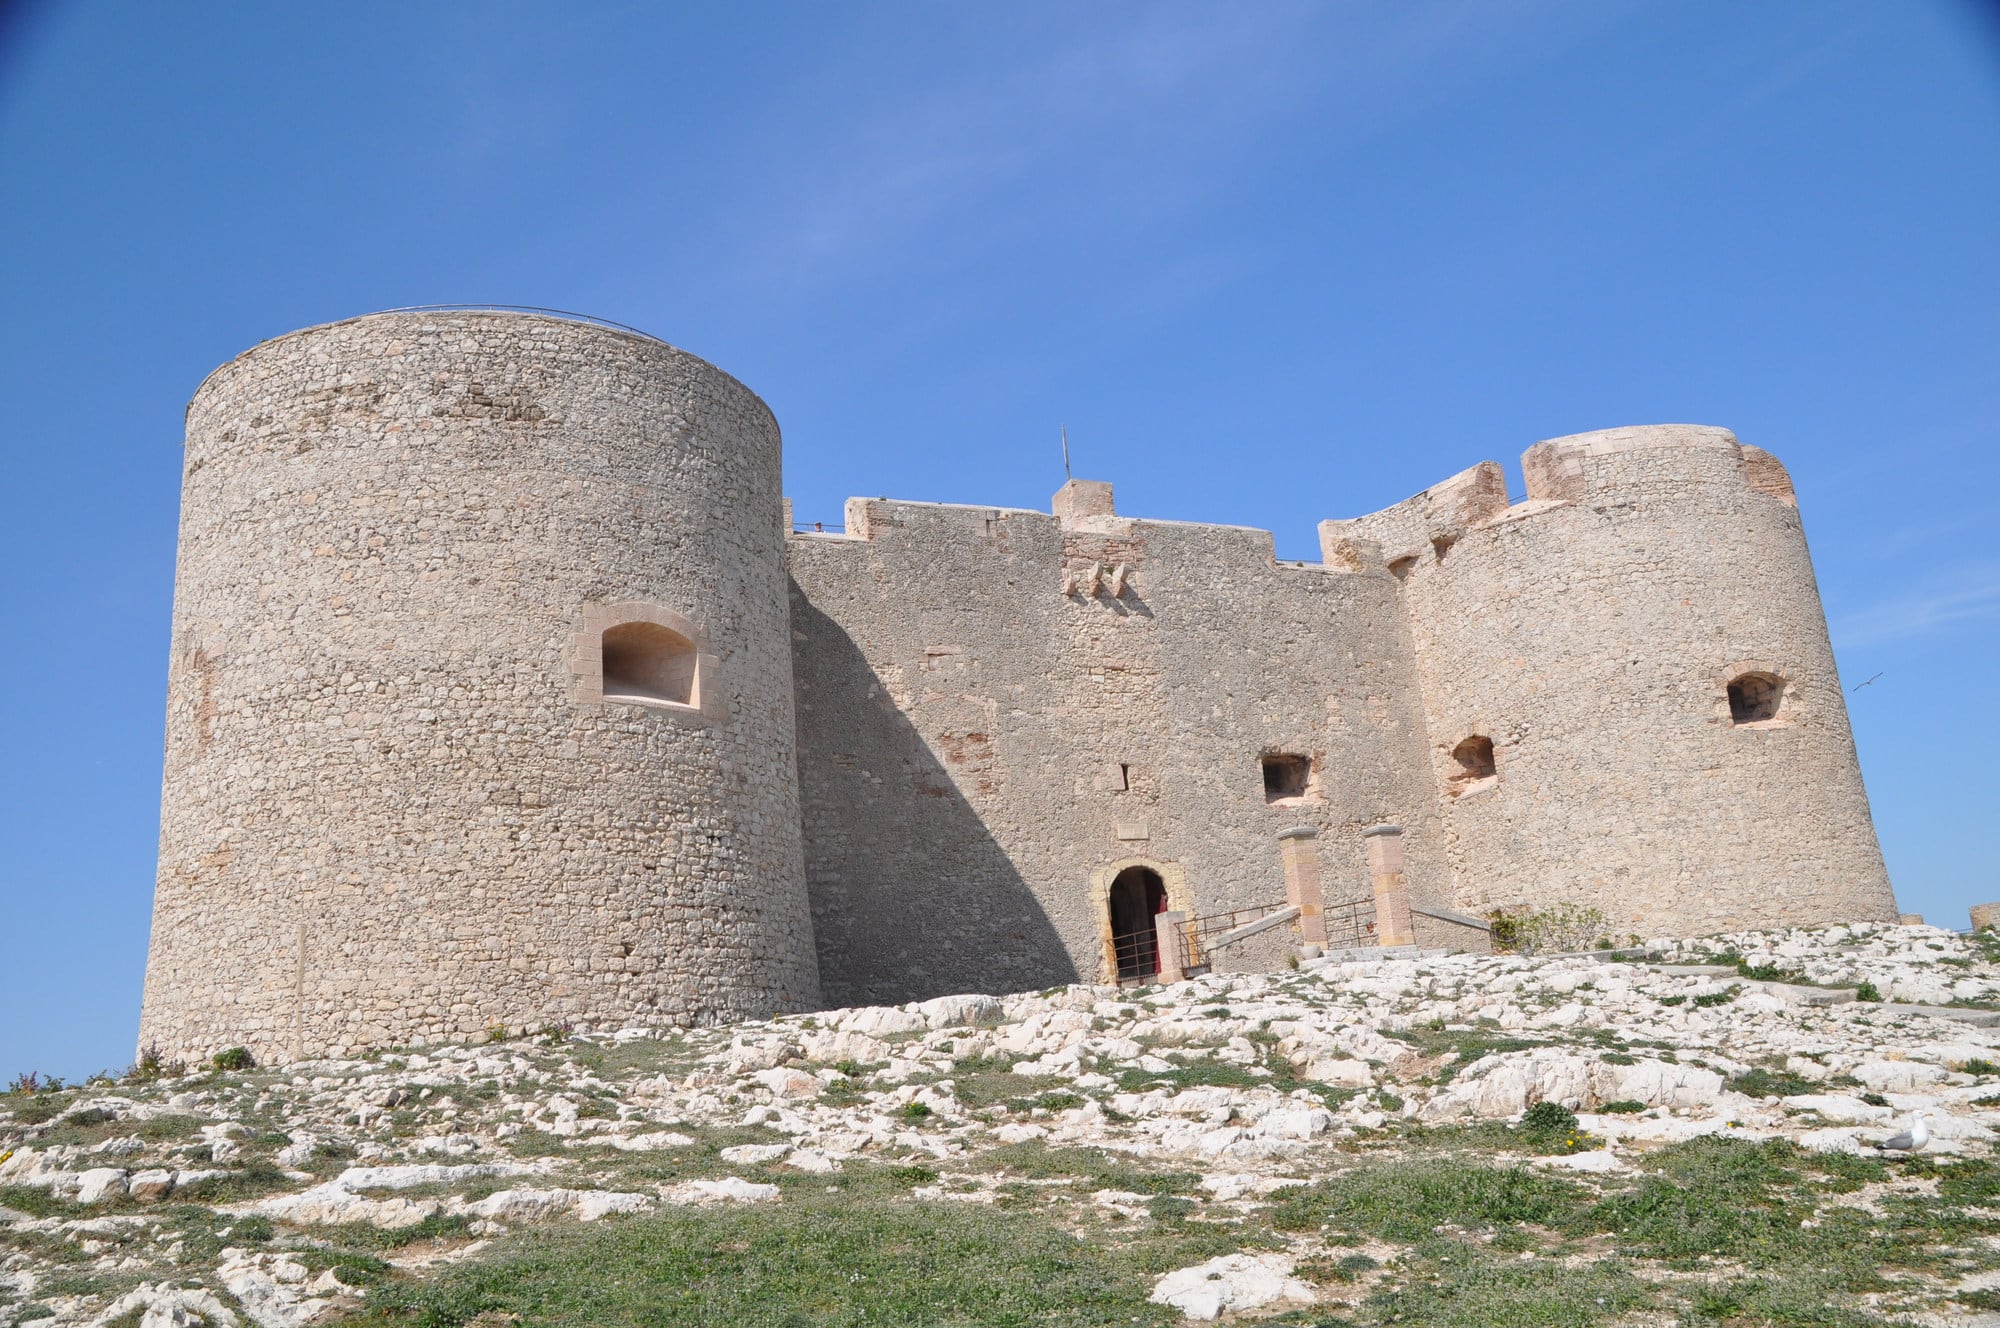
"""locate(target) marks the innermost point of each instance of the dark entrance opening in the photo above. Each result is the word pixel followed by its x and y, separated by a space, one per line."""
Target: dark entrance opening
pixel 1136 895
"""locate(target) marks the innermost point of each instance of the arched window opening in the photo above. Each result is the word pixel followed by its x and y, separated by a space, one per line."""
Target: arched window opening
pixel 1137 896
pixel 1474 759
pixel 650 664
pixel 1286 776
pixel 1755 697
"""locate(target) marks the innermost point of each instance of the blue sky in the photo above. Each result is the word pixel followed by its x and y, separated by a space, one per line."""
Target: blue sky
pixel 1271 263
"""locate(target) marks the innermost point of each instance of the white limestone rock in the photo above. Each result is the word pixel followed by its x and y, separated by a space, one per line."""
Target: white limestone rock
pixel 1233 1283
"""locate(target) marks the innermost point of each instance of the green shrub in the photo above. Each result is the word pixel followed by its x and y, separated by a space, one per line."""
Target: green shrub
pixel 1715 998
pixel 1867 991
pixel 1622 1107
pixel 233 1058
pixel 915 1111
pixel 1763 1083
pixel 1547 931
pixel 1549 1118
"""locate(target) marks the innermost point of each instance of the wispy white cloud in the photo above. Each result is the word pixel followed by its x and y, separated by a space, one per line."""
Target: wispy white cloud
pixel 1122 123
pixel 1971 594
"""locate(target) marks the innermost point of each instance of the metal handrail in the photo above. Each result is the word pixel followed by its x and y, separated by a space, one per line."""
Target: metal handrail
pixel 1138 955
pixel 1350 925
pixel 1197 933
pixel 569 314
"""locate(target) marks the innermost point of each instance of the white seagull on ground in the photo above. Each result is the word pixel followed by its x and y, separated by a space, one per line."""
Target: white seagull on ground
pixel 1912 1139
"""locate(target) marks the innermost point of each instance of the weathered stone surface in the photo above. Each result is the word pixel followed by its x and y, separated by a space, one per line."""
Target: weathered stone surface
pixel 402 539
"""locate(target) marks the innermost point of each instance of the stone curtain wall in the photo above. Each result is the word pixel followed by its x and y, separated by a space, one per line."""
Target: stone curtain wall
pixel 1590 632
pixel 391 810
pixel 971 680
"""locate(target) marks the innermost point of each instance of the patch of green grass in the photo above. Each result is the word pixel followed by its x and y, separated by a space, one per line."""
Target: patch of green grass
pixel 1058 1100
pixel 1622 1107
pixel 349 1267
pixel 254 1180
pixel 1761 1082
pixel 437 1226
pixel 1758 1206
pixel 1035 1160
pixel 669 1055
pixel 1336 1272
pixel 1406 1201
pixel 1452 1284
pixel 1715 998
pixel 1195 1072
pixel 989 1081
pixel 1469 1043
pixel 38 1202
pixel 817 1263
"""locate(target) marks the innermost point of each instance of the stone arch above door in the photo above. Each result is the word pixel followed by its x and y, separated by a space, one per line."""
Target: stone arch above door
pixel 1180 899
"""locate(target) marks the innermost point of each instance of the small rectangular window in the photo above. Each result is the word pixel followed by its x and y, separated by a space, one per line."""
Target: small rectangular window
pixel 1285 776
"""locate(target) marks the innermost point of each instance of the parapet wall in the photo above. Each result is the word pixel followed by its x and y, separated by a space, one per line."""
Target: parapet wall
pixel 398 804
pixel 1591 634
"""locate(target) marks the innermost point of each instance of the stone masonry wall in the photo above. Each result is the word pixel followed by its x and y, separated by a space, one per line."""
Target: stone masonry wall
pixel 1000 708
pixel 395 805
pixel 1590 633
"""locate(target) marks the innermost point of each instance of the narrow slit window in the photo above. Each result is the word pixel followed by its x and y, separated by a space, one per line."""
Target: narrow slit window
pixel 1285 776
pixel 649 664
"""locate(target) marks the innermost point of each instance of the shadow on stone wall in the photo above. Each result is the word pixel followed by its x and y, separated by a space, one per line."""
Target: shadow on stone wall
pixel 911 895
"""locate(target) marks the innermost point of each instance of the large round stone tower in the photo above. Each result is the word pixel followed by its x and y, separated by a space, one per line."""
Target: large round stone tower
pixel 1630 693
pixel 480 704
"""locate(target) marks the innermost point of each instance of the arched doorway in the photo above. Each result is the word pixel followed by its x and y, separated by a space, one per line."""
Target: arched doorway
pixel 1137 894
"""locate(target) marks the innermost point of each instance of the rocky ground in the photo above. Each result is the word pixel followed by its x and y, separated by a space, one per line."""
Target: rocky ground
pixel 1347 1142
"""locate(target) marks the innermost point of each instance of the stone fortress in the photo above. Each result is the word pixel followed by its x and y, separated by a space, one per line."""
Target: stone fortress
pixel 503 692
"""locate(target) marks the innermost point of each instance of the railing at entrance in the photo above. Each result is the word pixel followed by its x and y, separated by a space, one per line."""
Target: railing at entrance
pixel 1350 926
pixel 1138 955
pixel 1201 937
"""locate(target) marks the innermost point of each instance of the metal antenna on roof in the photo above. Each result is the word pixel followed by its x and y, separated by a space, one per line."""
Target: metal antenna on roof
pixel 1065 438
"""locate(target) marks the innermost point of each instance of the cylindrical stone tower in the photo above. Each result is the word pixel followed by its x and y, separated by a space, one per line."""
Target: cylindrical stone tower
pixel 480 702
pixel 1631 697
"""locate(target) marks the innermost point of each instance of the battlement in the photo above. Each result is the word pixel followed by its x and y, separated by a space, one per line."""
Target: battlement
pixel 1662 460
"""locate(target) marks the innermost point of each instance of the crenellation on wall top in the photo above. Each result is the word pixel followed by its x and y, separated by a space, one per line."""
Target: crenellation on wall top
pixel 1078 499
